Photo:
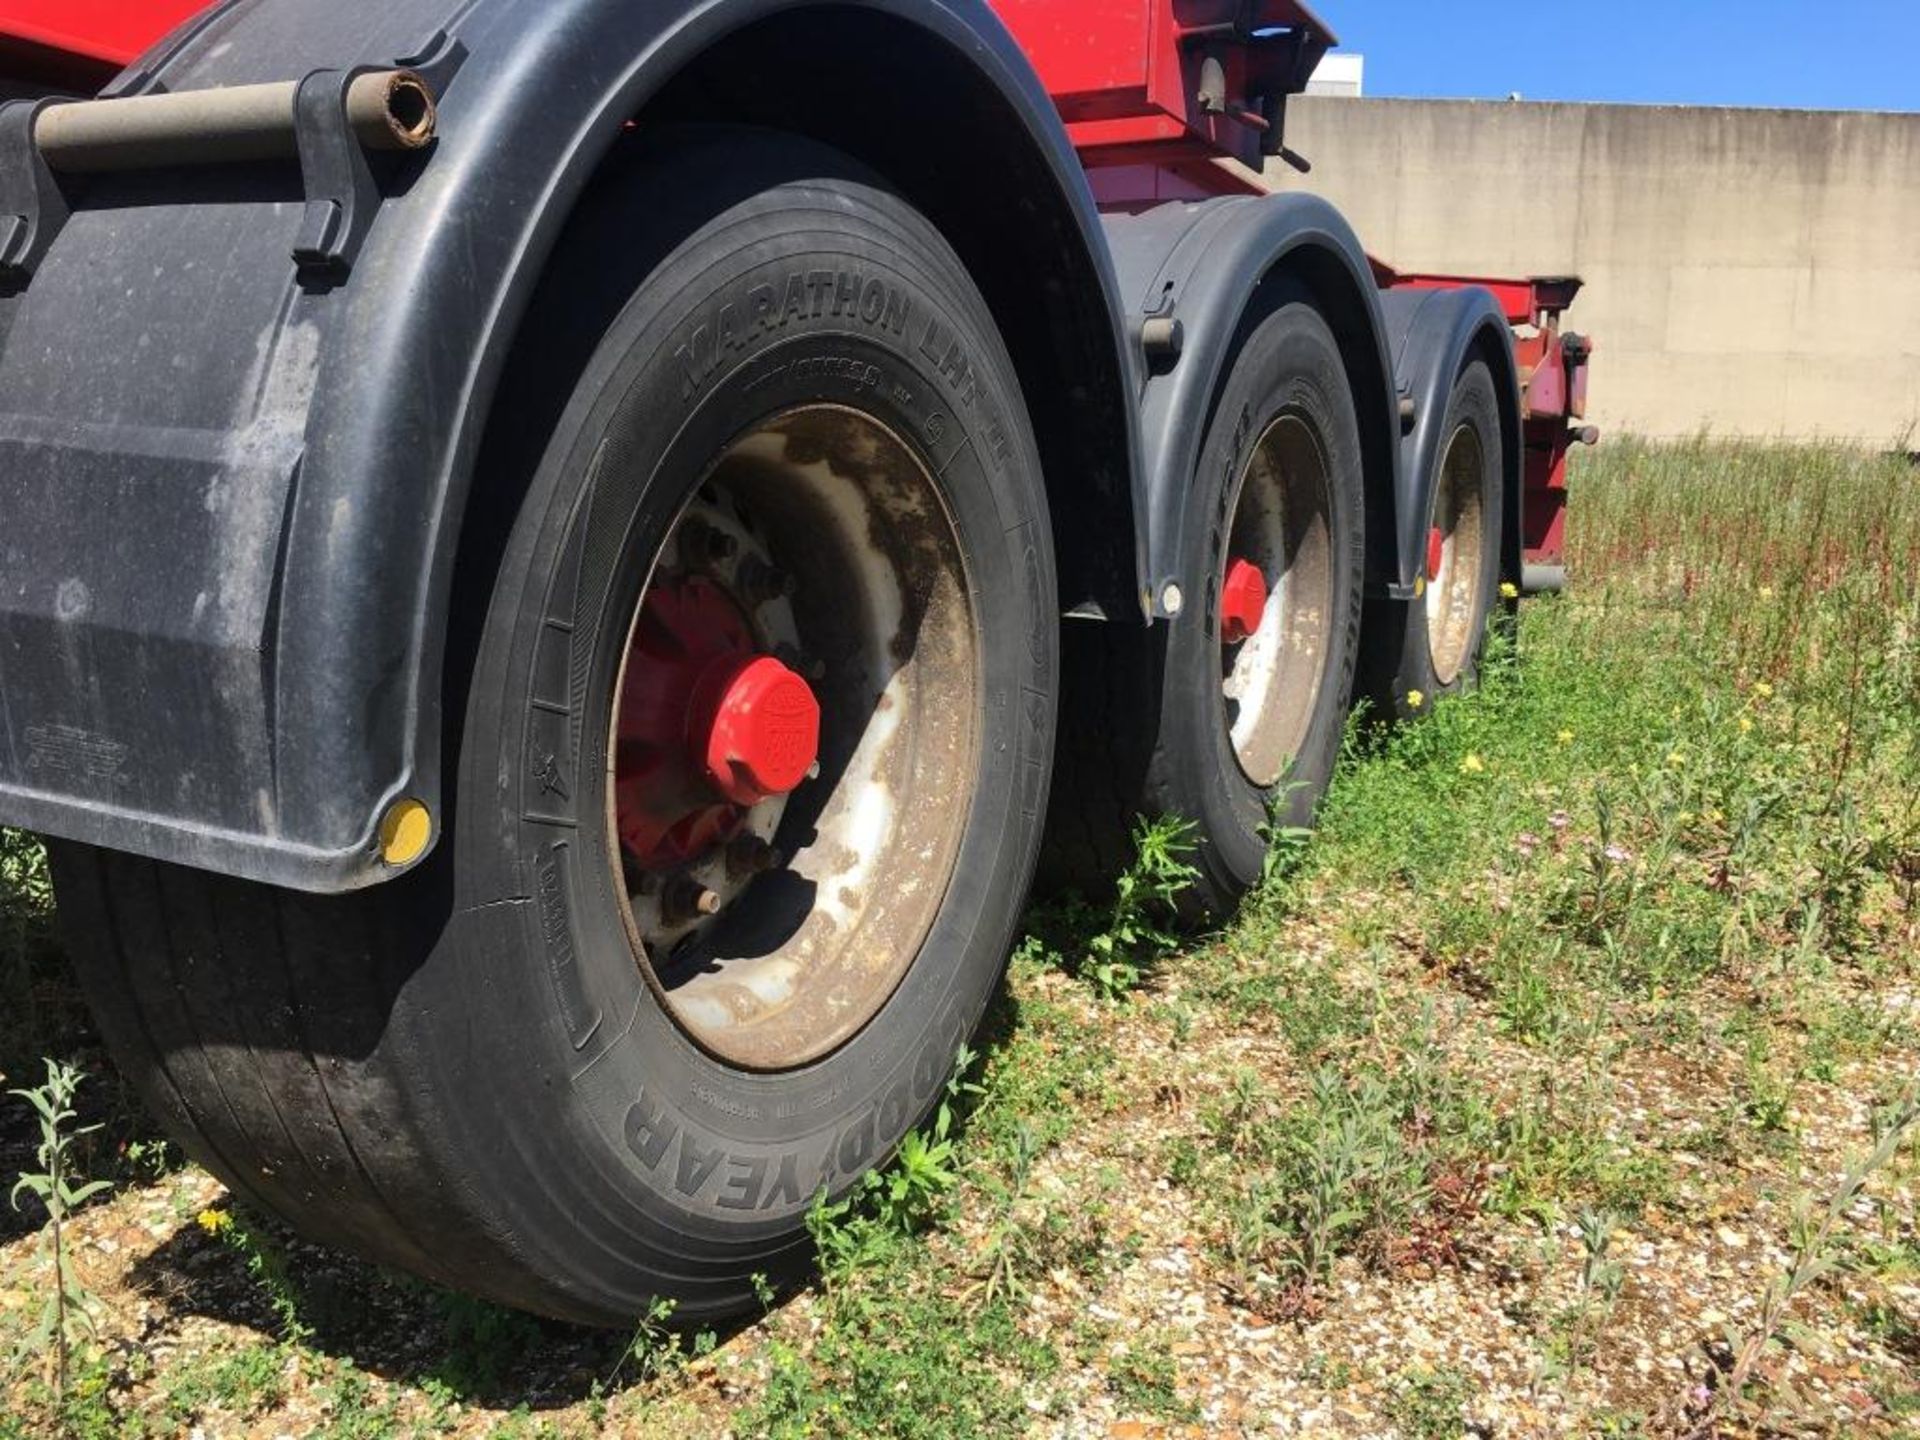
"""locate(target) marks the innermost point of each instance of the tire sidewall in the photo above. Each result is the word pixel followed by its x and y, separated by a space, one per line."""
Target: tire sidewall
pixel 671 1158
pixel 1288 364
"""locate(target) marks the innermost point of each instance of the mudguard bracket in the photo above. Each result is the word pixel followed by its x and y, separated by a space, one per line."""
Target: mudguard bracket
pixel 32 207
pixel 342 194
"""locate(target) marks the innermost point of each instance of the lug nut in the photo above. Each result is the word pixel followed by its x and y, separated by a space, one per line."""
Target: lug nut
pixel 761 583
pixel 701 543
pixel 688 900
pixel 750 855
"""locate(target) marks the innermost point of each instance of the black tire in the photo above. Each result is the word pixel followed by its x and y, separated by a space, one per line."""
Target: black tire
pixel 1161 744
pixel 463 1072
pixel 1413 667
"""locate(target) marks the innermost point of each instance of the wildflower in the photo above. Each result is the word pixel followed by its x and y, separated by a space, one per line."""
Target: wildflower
pixel 1745 724
pixel 1716 815
pixel 1618 854
pixel 1526 844
pixel 1676 759
pixel 214 1222
pixel 1415 699
pixel 1509 590
pixel 1762 689
pixel 1565 737
pixel 1559 820
pixel 1685 817
pixel 1766 592
pixel 1472 765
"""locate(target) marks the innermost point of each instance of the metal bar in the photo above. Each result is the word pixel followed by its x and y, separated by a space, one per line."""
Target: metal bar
pixel 386 110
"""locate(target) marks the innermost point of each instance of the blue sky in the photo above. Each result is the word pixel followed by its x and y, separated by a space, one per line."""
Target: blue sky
pixel 1835 54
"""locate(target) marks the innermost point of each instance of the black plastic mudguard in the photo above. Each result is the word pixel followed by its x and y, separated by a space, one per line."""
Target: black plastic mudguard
pixel 231 493
pixel 1200 264
pixel 1433 335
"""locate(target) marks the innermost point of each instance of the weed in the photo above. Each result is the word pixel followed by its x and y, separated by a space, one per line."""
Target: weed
pixel 241 1383
pixel 1009 1247
pixel 480 1343
pixel 656 1351
pixel 1144 1376
pixel 66 1314
pixel 1137 932
pixel 266 1264
pixel 1429 1404
pixel 1814 1255
pixel 1577 1330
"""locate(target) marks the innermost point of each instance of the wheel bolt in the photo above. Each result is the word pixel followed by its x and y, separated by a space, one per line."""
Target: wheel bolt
pixel 761 583
pixel 704 543
pixel 688 900
pixel 750 855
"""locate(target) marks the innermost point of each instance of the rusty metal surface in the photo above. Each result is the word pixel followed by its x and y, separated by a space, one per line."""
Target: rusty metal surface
pixel 798 956
pixel 1282 522
pixel 1453 598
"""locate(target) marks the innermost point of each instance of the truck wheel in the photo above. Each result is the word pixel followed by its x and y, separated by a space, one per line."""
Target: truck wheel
pixel 1434 643
pixel 755 741
pixel 1230 716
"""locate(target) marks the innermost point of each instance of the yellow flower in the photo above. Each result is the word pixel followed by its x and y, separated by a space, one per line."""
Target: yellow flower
pixel 1676 759
pixel 1763 689
pixel 1472 765
pixel 1716 815
pixel 1415 699
pixel 1766 592
pixel 214 1222
pixel 1565 737
pixel 1745 724
pixel 1685 817
pixel 1509 590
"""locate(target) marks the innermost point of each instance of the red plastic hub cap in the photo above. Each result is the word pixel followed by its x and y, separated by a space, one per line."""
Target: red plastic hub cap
pixel 762 728
pixel 707 727
pixel 1436 552
pixel 1243 600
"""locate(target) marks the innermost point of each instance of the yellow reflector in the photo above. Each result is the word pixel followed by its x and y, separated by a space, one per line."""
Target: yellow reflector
pixel 1419 586
pixel 404 832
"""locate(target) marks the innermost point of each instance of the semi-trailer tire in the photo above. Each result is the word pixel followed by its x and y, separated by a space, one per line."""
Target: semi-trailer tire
pixel 1431 646
pixel 648 999
pixel 1230 715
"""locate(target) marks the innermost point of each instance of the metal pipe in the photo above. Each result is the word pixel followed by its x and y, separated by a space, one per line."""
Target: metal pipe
pixel 1542 579
pixel 386 109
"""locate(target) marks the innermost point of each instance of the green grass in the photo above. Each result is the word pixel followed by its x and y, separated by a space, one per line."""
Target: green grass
pixel 1614 952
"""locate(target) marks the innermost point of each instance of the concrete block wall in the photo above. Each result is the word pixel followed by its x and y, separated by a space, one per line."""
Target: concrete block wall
pixel 1749 272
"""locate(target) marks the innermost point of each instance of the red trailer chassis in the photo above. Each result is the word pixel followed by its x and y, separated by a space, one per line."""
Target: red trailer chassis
pixel 1187 102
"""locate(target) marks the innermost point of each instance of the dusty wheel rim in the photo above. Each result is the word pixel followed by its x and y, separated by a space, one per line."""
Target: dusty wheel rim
pixel 1455 574
pixel 1282 531
pixel 774 926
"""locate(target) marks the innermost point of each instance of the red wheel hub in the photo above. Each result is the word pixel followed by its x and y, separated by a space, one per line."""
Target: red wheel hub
pixel 1436 552
pixel 707 726
pixel 1243 600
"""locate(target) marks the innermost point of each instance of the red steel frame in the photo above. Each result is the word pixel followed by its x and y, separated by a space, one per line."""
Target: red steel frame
pixel 1151 123
pixel 1553 392
pixel 1163 100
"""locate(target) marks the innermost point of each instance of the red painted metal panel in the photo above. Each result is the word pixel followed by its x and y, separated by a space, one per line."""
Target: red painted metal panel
pixel 1195 78
pixel 112 32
